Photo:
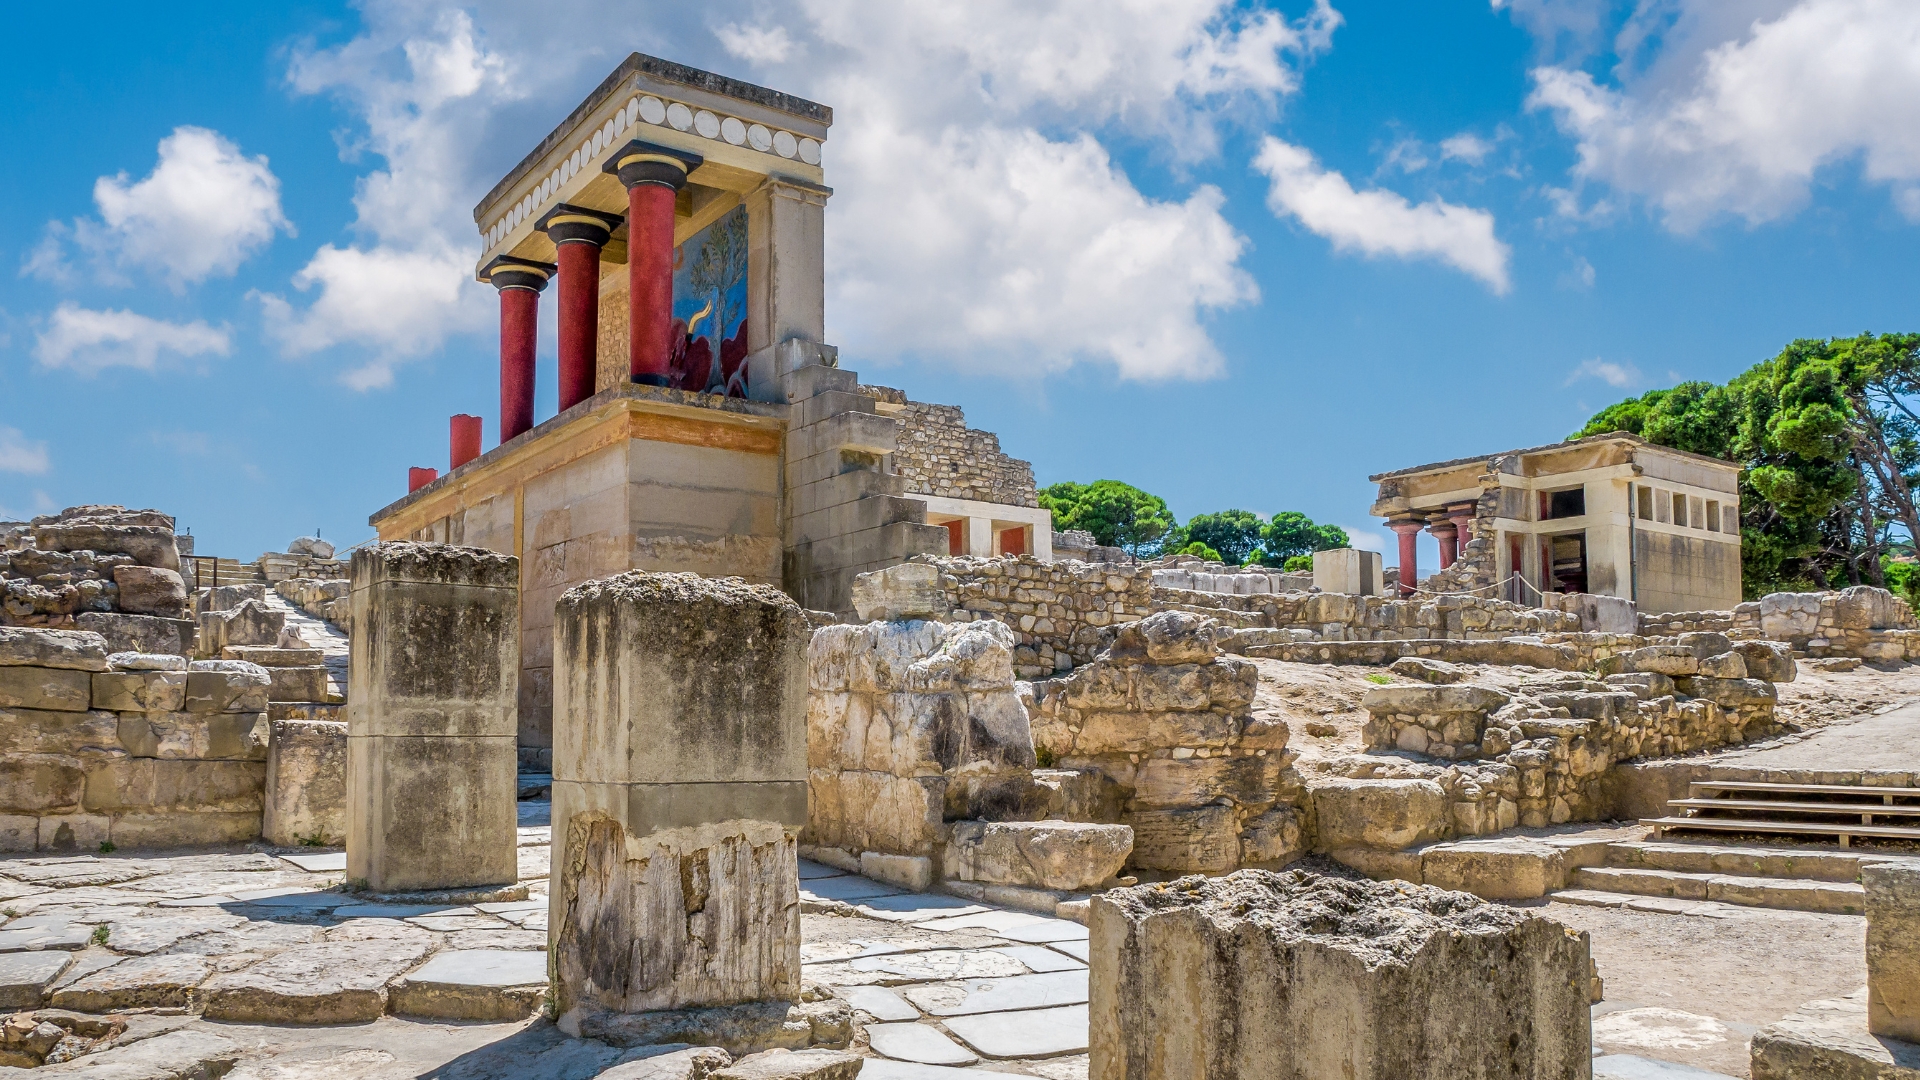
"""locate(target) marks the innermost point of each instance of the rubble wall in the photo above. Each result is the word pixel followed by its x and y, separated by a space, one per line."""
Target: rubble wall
pixel 106 569
pixel 937 454
pixel 1862 621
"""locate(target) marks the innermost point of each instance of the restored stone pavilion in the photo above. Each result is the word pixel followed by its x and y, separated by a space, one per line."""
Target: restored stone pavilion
pixel 705 425
pixel 1610 515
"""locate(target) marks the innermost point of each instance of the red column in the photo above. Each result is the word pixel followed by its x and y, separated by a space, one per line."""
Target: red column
pixel 1409 539
pixel 653 176
pixel 418 478
pixel 1444 532
pixel 1463 527
pixel 578 233
pixel 519 282
pixel 463 440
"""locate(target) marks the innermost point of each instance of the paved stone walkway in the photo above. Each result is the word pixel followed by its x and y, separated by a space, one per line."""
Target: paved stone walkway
pixel 321 635
pixel 1888 740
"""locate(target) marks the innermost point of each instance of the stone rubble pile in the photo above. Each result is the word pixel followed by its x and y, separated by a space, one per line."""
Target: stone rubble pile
pixel 1862 621
pixel 29 1040
pixel 106 569
pixel 305 557
pixel 1164 723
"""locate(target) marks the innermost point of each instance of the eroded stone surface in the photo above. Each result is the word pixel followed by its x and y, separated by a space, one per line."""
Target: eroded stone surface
pixel 334 982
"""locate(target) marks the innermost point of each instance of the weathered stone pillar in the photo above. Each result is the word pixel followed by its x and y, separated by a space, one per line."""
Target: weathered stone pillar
pixel 653 176
pixel 1409 532
pixel 1445 532
pixel 1893 949
pixel 432 716
pixel 519 282
pixel 680 767
pixel 1295 976
pixel 578 234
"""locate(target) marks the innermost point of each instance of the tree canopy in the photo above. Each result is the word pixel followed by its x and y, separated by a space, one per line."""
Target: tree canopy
pixel 1118 515
pixel 1830 440
pixel 1291 534
pixel 1233 533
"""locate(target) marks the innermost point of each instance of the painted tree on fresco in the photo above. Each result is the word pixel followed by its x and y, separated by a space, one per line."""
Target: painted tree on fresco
pixel 717 270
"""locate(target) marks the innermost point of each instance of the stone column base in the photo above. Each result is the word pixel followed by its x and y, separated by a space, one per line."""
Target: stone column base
pixel 748 1028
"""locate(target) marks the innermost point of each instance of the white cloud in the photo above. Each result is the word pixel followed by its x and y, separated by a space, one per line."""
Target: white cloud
pixel 1618 376
pixel 1578 276
pixel 19 454
pixel 1735 115
pixel 1466 147
pixel 754 44
pixel 89 341
pixel 203 210
pixel 978 219
pixel 1366 537
pixel 1380 222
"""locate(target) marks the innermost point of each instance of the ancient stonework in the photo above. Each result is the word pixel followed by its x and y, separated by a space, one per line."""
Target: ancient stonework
pixel 1299 977
pixel 937 454
pixel 118 569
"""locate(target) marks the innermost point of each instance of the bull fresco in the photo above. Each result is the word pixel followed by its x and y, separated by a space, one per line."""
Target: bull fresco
pixel 710 309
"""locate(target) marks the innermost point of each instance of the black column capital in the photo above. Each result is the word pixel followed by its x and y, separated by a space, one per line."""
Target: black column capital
pixel 507 272
pixel 650 163
pixel 578 224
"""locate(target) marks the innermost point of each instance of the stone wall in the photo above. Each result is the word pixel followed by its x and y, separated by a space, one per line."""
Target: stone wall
pixel 129 749
pixel 1863 621
pixel 1165 722
pixel 937 454
pixel 321 598
pixel 102 568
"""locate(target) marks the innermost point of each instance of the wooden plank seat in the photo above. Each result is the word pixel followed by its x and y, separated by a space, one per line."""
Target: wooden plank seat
pixel 1862 810
pixel 1864 791
pixel 1844 830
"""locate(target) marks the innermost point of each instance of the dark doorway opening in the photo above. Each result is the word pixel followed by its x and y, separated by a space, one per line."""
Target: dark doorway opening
pixel 1569 562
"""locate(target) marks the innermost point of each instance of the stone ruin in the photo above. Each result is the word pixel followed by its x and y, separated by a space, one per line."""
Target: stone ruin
pixel 106 569
pixel 1296 976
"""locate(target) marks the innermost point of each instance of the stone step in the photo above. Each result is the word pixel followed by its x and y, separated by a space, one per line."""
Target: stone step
pixel 1790 894
pixel 1740 860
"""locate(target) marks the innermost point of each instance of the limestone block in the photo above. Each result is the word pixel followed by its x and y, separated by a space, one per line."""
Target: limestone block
pixel 306 789
pixel 1704 644
pixel 1298 977
pixel 1893 949
pixel 1390 814
pixel 907 871
pixel 226 597
pixel 149 545
pixel 1272 839
pixel 226 686
pixel 183 827
pixel 906 591
pixel 31 731
pixel 151 590
pixel 432 717
pixel 1673 660
pixel 680 781
pixel 1197 781
pixel 793 1065
pixel 1424 700
pixel 62 689
pixel 139 633
pixel 141 691
pixel 333 982
pixel 1348 570
pixel 1197 840
pixel 252 622
pixel 1079 794
pixel 1768 660
pixel 1785 616
pixel 37 783
pixel 277 654
pixel 310 545
pixel 1507 869
pixel 1726 665
pixel 297 683
pixel 230 736
pixel 34 647
pixel 1437 672
pixel 145 784
pixel 1729 693
pixel 1135 733
pixel 1061 855
pixel 1168 637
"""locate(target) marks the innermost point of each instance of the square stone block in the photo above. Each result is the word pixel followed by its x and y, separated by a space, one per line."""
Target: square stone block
pixel 431 812
pixel 140 691
pixel 1299 977
pixel 62 689
pixel 306 796
pixel 1893 949
pixel 435 641
pixel 297 684
pixel 34 731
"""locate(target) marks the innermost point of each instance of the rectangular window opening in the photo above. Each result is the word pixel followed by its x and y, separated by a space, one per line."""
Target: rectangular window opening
pixel 1643 497
pixel 1564 504
pixel 1713 516
pixel 1679 509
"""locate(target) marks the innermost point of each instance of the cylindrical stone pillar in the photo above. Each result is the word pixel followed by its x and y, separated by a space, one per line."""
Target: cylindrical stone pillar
pixel 578 234
pixel 418 478
pixel 1409 532
pixel 1444 532
pixel 1462 519
pixel 653 176
pixel 519 282
pixel 463 439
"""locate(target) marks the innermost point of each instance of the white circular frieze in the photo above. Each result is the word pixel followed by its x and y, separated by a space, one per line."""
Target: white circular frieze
pixel 783 144
pixel 732 130
pixel 598 143
pixel 653 110
pixel 707 124
pixel 810 151
pixel 606 134
pixel 760 138
pixel 628 115
pixel 679 117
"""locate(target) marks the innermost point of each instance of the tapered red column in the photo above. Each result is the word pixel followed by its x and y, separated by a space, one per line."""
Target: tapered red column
pixel 578 233
pixel 1445 532
pixel 653 176
pixel 1409 540
pixel 520 282
pixel 1462 518
pixel 463 440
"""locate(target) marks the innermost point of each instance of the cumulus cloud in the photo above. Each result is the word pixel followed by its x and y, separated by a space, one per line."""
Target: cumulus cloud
pixel 203 210
pixel 1379 222
pixel 1466 147
pixel 979 218
pixel 1366 537
pixel 89 341
pixel 1618 376
pixel 1717 112
pixel 19 454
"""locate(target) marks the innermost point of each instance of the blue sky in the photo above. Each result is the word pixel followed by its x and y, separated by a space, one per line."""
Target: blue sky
pixel 1240 255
